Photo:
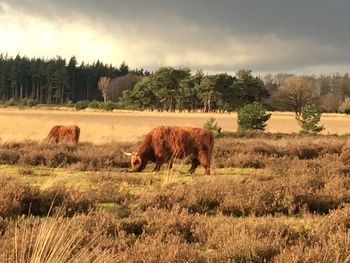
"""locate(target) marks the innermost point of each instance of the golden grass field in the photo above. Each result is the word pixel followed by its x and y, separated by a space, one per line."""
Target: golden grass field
pixel 268 199
pixel 127 126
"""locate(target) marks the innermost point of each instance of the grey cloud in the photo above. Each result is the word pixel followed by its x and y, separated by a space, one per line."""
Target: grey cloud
pixel 319 26
pixel 289 18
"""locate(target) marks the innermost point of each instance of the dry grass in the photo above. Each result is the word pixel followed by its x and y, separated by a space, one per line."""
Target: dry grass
pixel 271 198
pixel 174 235
pixel 122 126
pixel 51 240
pixel 17 198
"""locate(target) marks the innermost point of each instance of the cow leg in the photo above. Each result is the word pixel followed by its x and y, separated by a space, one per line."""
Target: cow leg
pixel 194 165
pixel 157 167
pixel 203 159
pixel 159 163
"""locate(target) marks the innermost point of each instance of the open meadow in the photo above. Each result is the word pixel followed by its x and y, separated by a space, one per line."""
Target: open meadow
pixel 272 197
pixel 128 126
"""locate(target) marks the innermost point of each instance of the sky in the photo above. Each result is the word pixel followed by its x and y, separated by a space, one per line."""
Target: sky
pixel 267 36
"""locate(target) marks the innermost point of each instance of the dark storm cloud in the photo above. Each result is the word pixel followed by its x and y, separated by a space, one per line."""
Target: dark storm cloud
pixel 282 34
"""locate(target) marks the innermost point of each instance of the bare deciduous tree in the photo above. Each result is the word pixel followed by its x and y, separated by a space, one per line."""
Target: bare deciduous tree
pixel 118 85
pixel 103 86
pixel 295 93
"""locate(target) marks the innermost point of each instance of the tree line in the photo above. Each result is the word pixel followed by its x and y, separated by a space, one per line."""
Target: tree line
pixel 170 89
pixel 54 81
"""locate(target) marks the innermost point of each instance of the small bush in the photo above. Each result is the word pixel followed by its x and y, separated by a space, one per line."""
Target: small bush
pixel 11 102
pixel 70 104
pixel 61 158
pixel 266 149
pixel 17 198
pixel 81 105
pixel 306 152
pixel 29 102
pixel 133 227
pixel 8 156
pixel 309 118
pixel 252 117
pixel 33 158
pixel 108 105
pixel 94 104
pixel 345 157
pixel 212 125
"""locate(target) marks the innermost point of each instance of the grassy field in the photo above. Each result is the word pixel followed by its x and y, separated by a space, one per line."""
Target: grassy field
pixel 103 127
pixel 271 197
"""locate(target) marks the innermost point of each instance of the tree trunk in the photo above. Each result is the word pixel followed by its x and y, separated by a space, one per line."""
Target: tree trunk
pixel 171 104
pixel 26 90
pixel 21 92
pixel 61 93
pixel 73 86
pixel 87 90
pixel 48 95
pixel 209 103
pixel 32 94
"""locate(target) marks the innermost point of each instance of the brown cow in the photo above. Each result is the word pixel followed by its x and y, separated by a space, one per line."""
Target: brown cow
pixel 164 143
pixel 61 133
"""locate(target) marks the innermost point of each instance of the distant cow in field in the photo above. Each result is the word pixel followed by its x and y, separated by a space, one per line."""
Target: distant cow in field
pixel 61 133
pixel 164 143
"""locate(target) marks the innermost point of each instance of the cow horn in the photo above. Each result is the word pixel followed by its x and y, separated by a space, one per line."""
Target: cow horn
pixel 128 154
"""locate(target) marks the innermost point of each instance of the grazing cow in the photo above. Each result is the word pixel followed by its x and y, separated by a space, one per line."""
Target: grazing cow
pixel 61 133
pixel 164 143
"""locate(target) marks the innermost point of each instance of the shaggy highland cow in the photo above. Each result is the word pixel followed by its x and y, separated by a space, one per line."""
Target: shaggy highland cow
pixel 61 133
pixel 163 144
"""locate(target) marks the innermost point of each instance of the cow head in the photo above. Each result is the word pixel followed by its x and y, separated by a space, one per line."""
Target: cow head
pixel 136 161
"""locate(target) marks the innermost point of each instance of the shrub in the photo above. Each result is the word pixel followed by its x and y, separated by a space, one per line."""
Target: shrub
pixel 94 104
pixel 17 198
pixel 34 158
pixel 70 104
pixel 29 102
pixel 212 125
pixel 108 105
pixel 61 158
pixel 11 102
pixel 8 156
pixel 81 104
pixel 309 118
pixel 307 153
pixel 252 117
pixel 266 149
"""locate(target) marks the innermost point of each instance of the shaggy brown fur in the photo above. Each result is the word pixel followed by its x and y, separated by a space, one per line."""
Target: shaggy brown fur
pixel 164 143
pixel 61 133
